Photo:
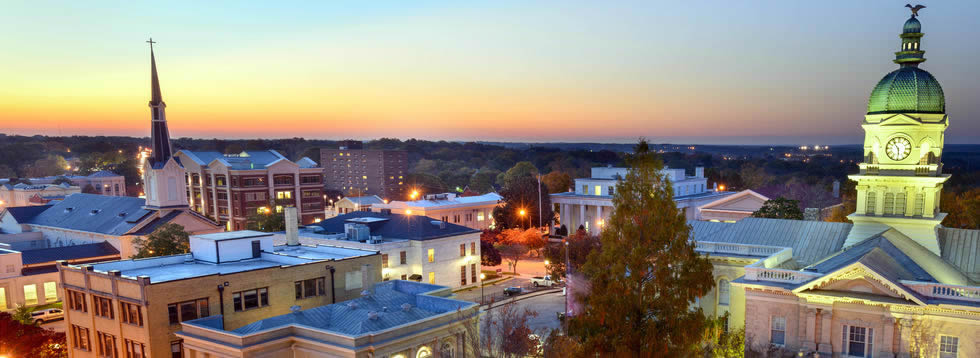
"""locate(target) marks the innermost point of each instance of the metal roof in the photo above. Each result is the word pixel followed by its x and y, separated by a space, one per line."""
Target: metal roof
pixel 810 240
pixel 961 248
pixel 110 215
pixel 74 252
pixel 397 226
pixel 23 214
pixel 878 254
pixel 701 229
pixel 364 200
pixel 245 160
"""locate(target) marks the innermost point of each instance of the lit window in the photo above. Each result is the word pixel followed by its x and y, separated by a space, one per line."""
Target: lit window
pixel 598 190
pixel 284 195
pixel 279 208
pixel 479 216
pixel 3 299
pixel 432 255
pixel 50 291
pixel 949 347
pixel 30 294
pixel 432 278
pixel 778 331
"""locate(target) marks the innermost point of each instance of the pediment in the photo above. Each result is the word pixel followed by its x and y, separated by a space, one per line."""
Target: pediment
pixel 746 200
pixel 900 120
pixel 858 281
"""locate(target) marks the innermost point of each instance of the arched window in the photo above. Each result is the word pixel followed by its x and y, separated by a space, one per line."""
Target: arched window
pixel 724 288
pixel 424 352
pixel 446 350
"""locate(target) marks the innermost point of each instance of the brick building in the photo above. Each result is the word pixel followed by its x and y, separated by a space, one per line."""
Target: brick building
pixel 230 187
pixel 356 171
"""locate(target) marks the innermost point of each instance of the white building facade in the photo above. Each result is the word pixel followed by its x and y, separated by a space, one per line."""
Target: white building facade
pixel 474 212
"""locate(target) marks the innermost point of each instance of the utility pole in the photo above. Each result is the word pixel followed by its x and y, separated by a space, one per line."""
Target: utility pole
pixel 539 202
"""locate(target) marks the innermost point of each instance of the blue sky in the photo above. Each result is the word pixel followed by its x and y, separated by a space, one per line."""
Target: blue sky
pixel 774 72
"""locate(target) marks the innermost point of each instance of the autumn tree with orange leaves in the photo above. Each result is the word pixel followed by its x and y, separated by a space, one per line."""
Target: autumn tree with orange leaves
pixel 646 276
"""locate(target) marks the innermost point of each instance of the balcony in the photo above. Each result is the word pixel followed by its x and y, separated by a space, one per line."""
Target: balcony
pixel 944 291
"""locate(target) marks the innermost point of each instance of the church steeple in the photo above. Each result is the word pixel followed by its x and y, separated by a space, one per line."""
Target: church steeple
pixel 160 134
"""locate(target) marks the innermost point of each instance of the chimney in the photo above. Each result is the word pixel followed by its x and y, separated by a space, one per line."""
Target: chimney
pixel 811 214
pixel 367 278
pixel 699 172
pixel 836 188
pixel 292 228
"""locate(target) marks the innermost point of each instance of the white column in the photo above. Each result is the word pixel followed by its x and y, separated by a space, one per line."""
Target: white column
pixel 565 216
pixel 598 217
pixel 581 216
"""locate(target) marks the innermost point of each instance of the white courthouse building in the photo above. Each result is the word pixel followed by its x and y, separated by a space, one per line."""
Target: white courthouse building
pixel 591 202
pixel 474 212
pixel 412 247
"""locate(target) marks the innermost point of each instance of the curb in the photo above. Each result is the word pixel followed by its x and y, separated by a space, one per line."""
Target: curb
pixel 493 305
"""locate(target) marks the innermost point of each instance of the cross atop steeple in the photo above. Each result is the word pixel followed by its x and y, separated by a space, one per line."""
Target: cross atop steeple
pixel 151 42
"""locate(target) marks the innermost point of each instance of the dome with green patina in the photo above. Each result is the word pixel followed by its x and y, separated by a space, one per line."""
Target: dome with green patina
pixel 912 25
pixel 907 90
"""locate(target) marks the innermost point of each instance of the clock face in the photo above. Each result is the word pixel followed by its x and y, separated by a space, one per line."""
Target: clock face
pixel 898 148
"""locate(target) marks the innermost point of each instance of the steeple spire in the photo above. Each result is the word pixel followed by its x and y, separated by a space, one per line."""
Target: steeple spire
pixel 160 134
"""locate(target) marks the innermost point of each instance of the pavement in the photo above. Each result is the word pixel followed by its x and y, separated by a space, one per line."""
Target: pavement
pixel 57 326
pixel 473 294
pixel 546 305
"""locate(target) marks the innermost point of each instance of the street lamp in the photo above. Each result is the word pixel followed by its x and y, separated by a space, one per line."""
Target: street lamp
pixel 523 213
pixel 415 194
pixel 482 277
pixel 568 290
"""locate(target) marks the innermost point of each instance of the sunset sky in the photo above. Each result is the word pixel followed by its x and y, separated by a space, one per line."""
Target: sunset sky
pixel 706 72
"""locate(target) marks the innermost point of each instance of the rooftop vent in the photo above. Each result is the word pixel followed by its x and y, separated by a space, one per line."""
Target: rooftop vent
pixel 352 305
pixel 122 215
pixel 68 210
pixel 294 308
pixel 441 224
pixel 373 315
pixel 406 307
pixel 366 293
pixel 385 211
pixel 94 211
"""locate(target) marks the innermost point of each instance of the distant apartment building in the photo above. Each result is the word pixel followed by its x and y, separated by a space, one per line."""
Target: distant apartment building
pixel 358 171
pixel 228 188
pixel 394 319
pixel 21 194
pixel 590 205
pixel 133 308
pixel 103 182
pixel 412 247
pixel 475 212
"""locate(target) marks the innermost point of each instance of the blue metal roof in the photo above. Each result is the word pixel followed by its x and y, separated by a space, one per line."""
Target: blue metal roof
pixel 397 226
pixel 23 214
pixel 110 215
pixel 74 252
pixel 880 255
pixel 810 240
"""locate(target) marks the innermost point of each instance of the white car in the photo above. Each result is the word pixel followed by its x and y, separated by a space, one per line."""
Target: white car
pixel 545 281
pixel 47 315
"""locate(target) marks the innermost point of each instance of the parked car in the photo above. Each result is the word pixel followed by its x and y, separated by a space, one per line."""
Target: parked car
pixel 513 291
pixel 47 315
pixel 543 281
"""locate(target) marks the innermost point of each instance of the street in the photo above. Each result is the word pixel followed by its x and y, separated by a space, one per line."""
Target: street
pixel 57 326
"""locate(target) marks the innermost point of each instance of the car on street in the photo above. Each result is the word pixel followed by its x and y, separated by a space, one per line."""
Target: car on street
pixel 543 281
pixel 47 315
pixel 513 291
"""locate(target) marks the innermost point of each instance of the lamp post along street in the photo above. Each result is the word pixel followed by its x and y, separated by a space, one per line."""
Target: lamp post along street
pixel 539 202
pixel 568 268
pixel 483 276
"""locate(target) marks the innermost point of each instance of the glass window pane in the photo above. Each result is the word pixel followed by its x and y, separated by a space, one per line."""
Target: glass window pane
pixel 263 296
pixel 30 294
pixel 50 291
pixel 251 299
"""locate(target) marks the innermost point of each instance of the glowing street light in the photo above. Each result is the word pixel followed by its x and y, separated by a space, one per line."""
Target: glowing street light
pixel 482 277
pixel 415 194
pixel 721 187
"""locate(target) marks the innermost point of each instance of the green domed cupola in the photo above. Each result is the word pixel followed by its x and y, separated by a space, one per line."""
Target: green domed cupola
pixel 908 89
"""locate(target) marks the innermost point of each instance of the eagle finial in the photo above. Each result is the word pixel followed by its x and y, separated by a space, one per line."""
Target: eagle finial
pixel 915 9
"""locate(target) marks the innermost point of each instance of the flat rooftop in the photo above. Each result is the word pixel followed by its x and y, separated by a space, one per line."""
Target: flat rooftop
pixel 179 267
pixel 232 235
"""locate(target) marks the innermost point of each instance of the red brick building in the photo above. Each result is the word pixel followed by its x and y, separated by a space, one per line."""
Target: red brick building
pixel 230 187
pixel 356 171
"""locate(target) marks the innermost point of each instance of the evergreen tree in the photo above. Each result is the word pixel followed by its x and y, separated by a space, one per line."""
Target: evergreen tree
pixel 168 239
pixel 780 208
pixel 647 274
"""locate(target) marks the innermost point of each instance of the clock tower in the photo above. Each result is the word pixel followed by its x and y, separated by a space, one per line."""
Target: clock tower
pixel 900 179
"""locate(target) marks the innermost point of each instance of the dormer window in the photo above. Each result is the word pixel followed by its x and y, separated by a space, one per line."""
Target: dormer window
pixel 94 211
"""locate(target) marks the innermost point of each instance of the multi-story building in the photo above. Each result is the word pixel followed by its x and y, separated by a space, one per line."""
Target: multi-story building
pixel 133 308
pixel 394 319
pixel 356 171
pixel 895 283
pixel 355 203
pixel 474 212
pixel 29 277
pixel 590 204
pixel 228 188
pixel 412 247
pixel 21 194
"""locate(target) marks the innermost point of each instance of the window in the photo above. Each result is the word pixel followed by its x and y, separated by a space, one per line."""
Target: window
pixel 723 292
pixel 949 347
pixel 246 300
pixel 219 180
pixel 889 203
pixel 473 248
pixel 432 278
pixel 585 189
pixel 50 291
pixel 900 204
pixel 610 190
pixel 473 273
pixel 778 331
pixel 79 338
pixel 310 179
pixel 384 261
pixel 177 349
pixel 283 180
pixel 188 310
pixel 857 341
pixel 30 294
pixel 76 301
pixel 479 216
pixel 255 196
pixel 131 313
pixel 310 288
pixel 102 306
pixel 598 190
pixel 284 195
pixel 462 250
pixel 870 208
pixel 462 275
pixel 3 299
pixel 106 345
pixel 402 257
pixel 134 349
pixel 919 204
pixel 10 268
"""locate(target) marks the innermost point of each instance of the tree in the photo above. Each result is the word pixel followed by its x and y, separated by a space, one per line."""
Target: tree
pixel 47 166
pixel 557 182
pixel 489 256
pixel 780 208
pixel 424 183
pixel 512 253
pixel 962 208
pixel 505 332
pixel 482 181
pixel 168 239
pixel 522 194
pixel 646 276
pixel 580 245
pixel 22 314
pixel 89 189
pixel 28 340
pixel 266 219
pixel 719 342
pixel 753 177
pixel 62 180
pixel 518 171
